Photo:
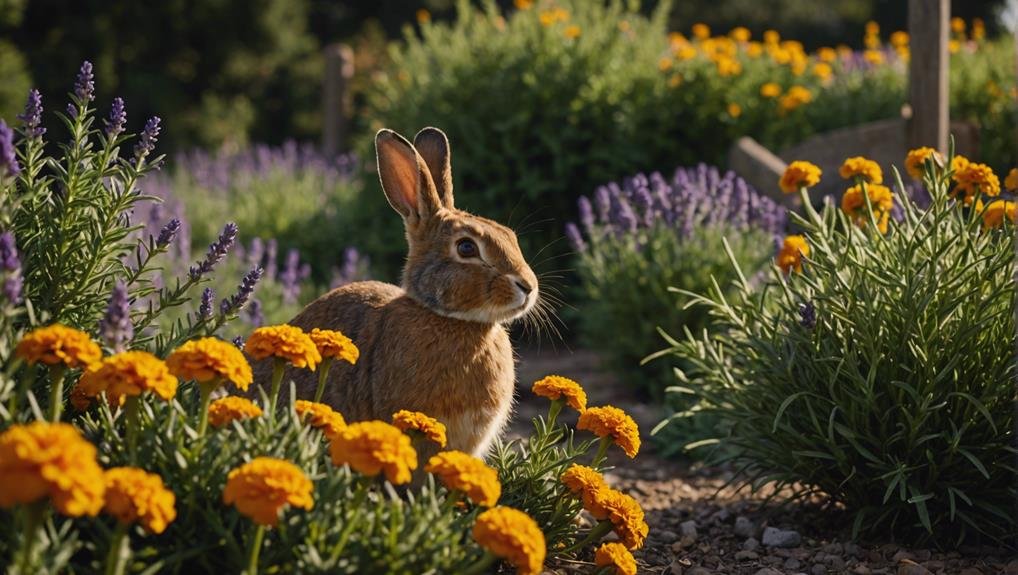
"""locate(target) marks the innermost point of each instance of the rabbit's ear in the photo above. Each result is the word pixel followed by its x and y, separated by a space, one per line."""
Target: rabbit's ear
pixel 433 147
pixel 405 178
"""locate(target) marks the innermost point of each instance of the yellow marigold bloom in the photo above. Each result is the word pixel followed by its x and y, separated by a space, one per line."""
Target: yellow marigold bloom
pixel 626 516
pixel 572 31
pixel 875 57
pixel 285 342
pixel 978 29
pixel 686 53
pixel 953 46
pixel 373 447
pixel 50 460
pixel 261 488
pixel 899 39
pixel 871 42
pixel 973 178
pixel 916 159
pixel 523 4
pixel 740 34
pixel 58 344
pixel 513 536
pixel 423 16
pixel 677 40
pixel 320 416
pixel 462 472
pixel 854 205
pixel 675 81
pixel 550 17
pixel 754 49
pixel 791 253
pixel 957 25
pixel 728 66
pixel 823 70
pixel 80 400
pixel 209 359
pixel 872 28
pixel 664 64
pixel 1011 181
pixel 128 374
pixel 335 345
pixel 232 408
pixel 771 37
pixel 410 421
pixel 556 387
pixel 862 167
pixel 585 483
pixel 770 90
pixel 701 31
pixel 616 556
pixel 612 422
pixel 796 96
pixel 827 54
pixel 997 211
pixel 799 174
pixel 134 495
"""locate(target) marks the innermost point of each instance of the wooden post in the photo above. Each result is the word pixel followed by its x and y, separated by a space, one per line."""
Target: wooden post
pixel 336 103
pixel 927 73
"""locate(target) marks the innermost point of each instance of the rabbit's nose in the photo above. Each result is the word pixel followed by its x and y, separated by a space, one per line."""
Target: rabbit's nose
pixel 524 287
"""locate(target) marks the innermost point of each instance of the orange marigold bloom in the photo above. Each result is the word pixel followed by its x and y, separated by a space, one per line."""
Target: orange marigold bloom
pixel 319 416
pixel 373 447
pixel 415 421
pixel 333 344
pixel 572 31
pixel 134 495
pixel 799 174
pixel 285 342
pixel 616 556
pixel 795 97
pixel 626 516
pixel 584 482
pixel 770 90
pixel 701 31
pixel 463 472
pixel 612 422
pixel 261 488
pixel 792 251
pixel 39 460
pixel 740 34
pixel 1011 181
pixel 997 211
pixel 128 374
pixel 210 359
pixel 973 178
pixel 58 344
pixel 232 408
pixel 862 167
pixel 854 205
pixel 916 159
pixel 556 387
pixel 513 536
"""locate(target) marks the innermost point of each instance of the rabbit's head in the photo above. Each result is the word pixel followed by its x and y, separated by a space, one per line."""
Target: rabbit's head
pixel 460 265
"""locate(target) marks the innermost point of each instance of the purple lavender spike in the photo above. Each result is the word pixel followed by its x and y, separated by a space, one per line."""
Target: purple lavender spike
pixel 575 238
pixel 8 158
pixel 148 139
pixel 32 117
pixel 602 200
pixel 118 117
pixel 208 295
pixel 168 232
pixel 115 327
pixel 217 251
pixel 244 291
pixel 289 279
pixel 586 214
pixel 11 264
pixel 84 84
pixel 254 314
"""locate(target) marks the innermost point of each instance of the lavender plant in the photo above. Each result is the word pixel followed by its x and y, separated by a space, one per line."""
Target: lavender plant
pixel 638 240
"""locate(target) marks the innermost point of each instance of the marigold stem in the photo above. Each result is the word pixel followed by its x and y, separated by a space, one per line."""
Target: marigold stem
pixel 277 379
pixel 323 373
pixel 23 384
pixel 120 550
pixel 131 419
pixel 56 391
pixel 351 522
pixel 595 534
pixel 602 450
pixel 205 392
pixel 553 411
pixel 481 565
pixel 256 547
pixel 34 515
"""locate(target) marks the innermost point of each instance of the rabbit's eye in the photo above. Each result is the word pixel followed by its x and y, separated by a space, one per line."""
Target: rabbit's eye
pixel 466 248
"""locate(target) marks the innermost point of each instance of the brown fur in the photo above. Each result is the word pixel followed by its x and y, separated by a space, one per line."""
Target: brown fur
pixel 437 343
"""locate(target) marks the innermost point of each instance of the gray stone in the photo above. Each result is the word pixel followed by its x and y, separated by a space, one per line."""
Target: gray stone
pixel 971 571
pixel 836 563
pixel 683 542
pixel 699 571
pixel 667 536
pixel 744 527
pixel 909 567
pixel 901 555
pixel 861 569
pixel 746 555
pixel 768 571
pixel 751 544
pixel 818 569
pixel 688 528
pixel 774 537
pixel 792 563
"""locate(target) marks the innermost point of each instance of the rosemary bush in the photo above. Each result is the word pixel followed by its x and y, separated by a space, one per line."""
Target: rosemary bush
pixel 881 376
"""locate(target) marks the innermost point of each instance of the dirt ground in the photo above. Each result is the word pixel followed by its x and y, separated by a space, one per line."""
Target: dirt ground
pixel 700 527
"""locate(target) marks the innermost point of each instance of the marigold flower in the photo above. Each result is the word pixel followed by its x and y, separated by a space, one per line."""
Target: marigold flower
pixel 319 416
pixel 874 57
pixel 58 344
pixel 261 488
pixel 740 34
pixel 612 422
pixel 523 4
pixel 974 178
pixel 792 251
pixel 770 90
pixel 615 555
pixel 80 400
pixel 556 387
pixel 899 39
pixel 626 517
pixel 463 472
pixel 513 536
pixel 995 213
pixel 232 408
pixel 210 359
pixel 572 31
pixel 701 31
pixel 958 25
pixel 854 205
pixel 39 460
pixel 285 342
pixel 129 374
pixel 373 447
pixel 823 70
pixel 585 483
pixel 333 344
pixel 429 427
pixel 734 110
pixel 1011 181
pixel 796 96
pixel 799 174
pixel 916 159
pixel 827 54
pixel 862 167
pixel 134 495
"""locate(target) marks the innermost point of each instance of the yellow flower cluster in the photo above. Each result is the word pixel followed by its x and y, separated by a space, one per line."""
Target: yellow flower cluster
pixel 134 495
pixel 373 447
pixel 853 203
pixel 50 460
pixel 770 90
pixel 795 97
pixel 612 422
pixel 616 556
pixel 129 374
pixel 333 344
pixel 467 474
pixel 261 488
pixel 799 174
pixel 585 483
pixel 1011 181
pixel 974 179
pixel 555 387
pixel 209 359
pixel 791 253
pixel 626 517
pixel 513 536
pixel 320 416
pixel 285 342
pixel 916 159
pixel 415 421
pixel 58 344
pixel 228 409
pixel 997 211
pixel 861 167
pixel 550 17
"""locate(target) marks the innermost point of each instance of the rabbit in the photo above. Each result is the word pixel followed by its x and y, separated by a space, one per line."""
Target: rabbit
pixel 438 342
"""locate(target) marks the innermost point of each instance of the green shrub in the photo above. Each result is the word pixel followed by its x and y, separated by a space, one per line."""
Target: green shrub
pixel 882 376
